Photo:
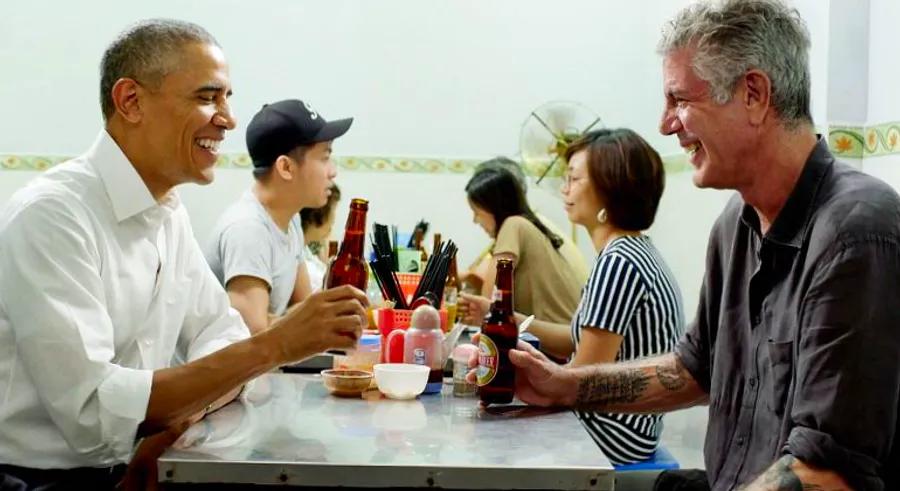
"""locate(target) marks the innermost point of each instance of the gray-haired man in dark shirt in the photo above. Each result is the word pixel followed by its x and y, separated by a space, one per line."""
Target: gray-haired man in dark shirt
pixel 796 343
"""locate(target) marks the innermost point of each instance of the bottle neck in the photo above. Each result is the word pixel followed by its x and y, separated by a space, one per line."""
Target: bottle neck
pixel 503 288
pixel 452 274
pixel 354 233
pixel 436 244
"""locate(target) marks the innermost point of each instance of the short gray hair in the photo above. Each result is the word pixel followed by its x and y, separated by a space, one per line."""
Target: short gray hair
pixel 146 52
pixel 733 36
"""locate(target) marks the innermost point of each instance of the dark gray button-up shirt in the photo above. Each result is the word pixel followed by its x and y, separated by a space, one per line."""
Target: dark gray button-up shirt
pixel 797 335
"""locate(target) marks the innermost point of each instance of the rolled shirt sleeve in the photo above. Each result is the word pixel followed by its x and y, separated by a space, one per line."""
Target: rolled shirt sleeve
pixel 53 296
pixel 848 366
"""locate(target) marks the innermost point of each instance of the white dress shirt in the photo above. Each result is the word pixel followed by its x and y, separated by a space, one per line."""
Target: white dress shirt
pixel 99 286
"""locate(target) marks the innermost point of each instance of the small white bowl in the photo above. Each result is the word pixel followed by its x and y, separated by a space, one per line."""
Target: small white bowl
pixel 401 380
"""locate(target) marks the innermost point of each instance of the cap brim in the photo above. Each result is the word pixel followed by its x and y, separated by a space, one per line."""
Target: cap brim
pixel 333 129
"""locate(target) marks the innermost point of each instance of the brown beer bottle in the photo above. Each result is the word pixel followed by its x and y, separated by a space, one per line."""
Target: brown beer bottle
pixel 436 243
pixel 349 266
pixel 499 333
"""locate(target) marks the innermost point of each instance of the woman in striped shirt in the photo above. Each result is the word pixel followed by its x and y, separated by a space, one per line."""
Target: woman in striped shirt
pixel 631 305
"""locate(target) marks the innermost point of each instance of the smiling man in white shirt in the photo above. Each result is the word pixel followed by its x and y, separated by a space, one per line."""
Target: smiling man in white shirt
pixel 102 281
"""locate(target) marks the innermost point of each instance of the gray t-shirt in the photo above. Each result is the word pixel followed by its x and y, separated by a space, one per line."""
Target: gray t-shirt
pixel 247 242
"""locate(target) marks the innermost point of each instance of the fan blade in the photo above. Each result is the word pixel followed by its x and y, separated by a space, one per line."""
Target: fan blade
pixel 588 128
pixel 544 124
pixel 547 170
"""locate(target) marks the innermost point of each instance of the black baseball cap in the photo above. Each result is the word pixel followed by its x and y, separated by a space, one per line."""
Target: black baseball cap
pixel 285 125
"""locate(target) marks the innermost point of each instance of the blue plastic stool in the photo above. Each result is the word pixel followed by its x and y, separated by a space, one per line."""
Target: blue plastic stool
pixel 660 461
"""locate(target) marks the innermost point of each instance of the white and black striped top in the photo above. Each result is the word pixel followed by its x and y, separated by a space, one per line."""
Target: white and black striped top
pixel 630 292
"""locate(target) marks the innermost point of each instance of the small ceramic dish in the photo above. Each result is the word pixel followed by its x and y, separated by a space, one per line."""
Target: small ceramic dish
pixel 346 383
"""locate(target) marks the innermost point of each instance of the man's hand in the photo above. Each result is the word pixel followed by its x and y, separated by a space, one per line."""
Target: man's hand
pixel 142 470
pixel 471 309
pixel 790 473
pixel 326 320
pixel 539 381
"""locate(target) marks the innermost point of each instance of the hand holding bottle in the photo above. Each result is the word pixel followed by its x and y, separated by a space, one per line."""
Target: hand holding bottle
pixel 328 319
pixel 539 381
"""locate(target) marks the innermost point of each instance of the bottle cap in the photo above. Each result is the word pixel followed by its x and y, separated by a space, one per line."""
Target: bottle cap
pixel 425 317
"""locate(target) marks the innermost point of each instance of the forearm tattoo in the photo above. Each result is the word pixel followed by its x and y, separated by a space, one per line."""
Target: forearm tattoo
pixel 781 477
pixel 621 386
pixel 670 374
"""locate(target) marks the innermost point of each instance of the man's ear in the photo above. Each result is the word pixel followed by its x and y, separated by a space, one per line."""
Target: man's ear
pixel 284 168
pixel 757 96
pixel 127 96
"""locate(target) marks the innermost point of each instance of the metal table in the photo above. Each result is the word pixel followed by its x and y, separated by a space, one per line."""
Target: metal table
pixel 287 430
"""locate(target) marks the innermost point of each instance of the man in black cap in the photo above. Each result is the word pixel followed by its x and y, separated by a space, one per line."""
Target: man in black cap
pixel 256 246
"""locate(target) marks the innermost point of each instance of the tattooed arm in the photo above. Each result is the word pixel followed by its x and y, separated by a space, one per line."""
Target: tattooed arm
pixel 651 385
pixel 791 474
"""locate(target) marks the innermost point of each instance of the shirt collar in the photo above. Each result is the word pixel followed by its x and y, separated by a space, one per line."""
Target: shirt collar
pixel 793 219
pixel 127 192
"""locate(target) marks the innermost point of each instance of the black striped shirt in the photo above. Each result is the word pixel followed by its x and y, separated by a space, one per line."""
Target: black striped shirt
pixel 631 292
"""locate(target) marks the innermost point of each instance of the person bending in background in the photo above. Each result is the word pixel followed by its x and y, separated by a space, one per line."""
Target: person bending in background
pixel 549 268
pixel 631 305
pixel 473 277
pixel 256 248
pixel 317 224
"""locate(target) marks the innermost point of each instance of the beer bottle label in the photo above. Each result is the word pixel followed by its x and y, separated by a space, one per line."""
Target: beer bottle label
pixel 488 361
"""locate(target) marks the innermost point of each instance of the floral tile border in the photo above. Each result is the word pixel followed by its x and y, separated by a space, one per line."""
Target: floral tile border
pixel 674 163
pixel 851 142
pixel 861 142
pixel 847 141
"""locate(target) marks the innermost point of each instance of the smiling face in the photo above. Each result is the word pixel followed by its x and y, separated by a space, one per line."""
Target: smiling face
pixel 581 200
pixel 717 137
pixel 484 219
pixel 184 121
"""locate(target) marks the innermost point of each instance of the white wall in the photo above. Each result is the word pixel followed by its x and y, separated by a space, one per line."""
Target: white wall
pixel 884 71
pixel 883 81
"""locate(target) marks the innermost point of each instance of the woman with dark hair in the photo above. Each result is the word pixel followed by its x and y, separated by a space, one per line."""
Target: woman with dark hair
pixel 549 269
pixel 631 305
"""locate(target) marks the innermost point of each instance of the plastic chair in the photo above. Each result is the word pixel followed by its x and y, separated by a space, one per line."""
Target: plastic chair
pixel 661 460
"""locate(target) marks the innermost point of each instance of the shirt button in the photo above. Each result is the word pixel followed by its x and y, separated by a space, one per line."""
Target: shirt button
pixel 740 441
pixel 752 382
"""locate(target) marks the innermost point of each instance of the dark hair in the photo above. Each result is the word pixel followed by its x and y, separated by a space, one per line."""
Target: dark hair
pixel 497 191
pixel 316 217
pixel 627 175
pixel 262 173
pixel 508 164
pixel 146 52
